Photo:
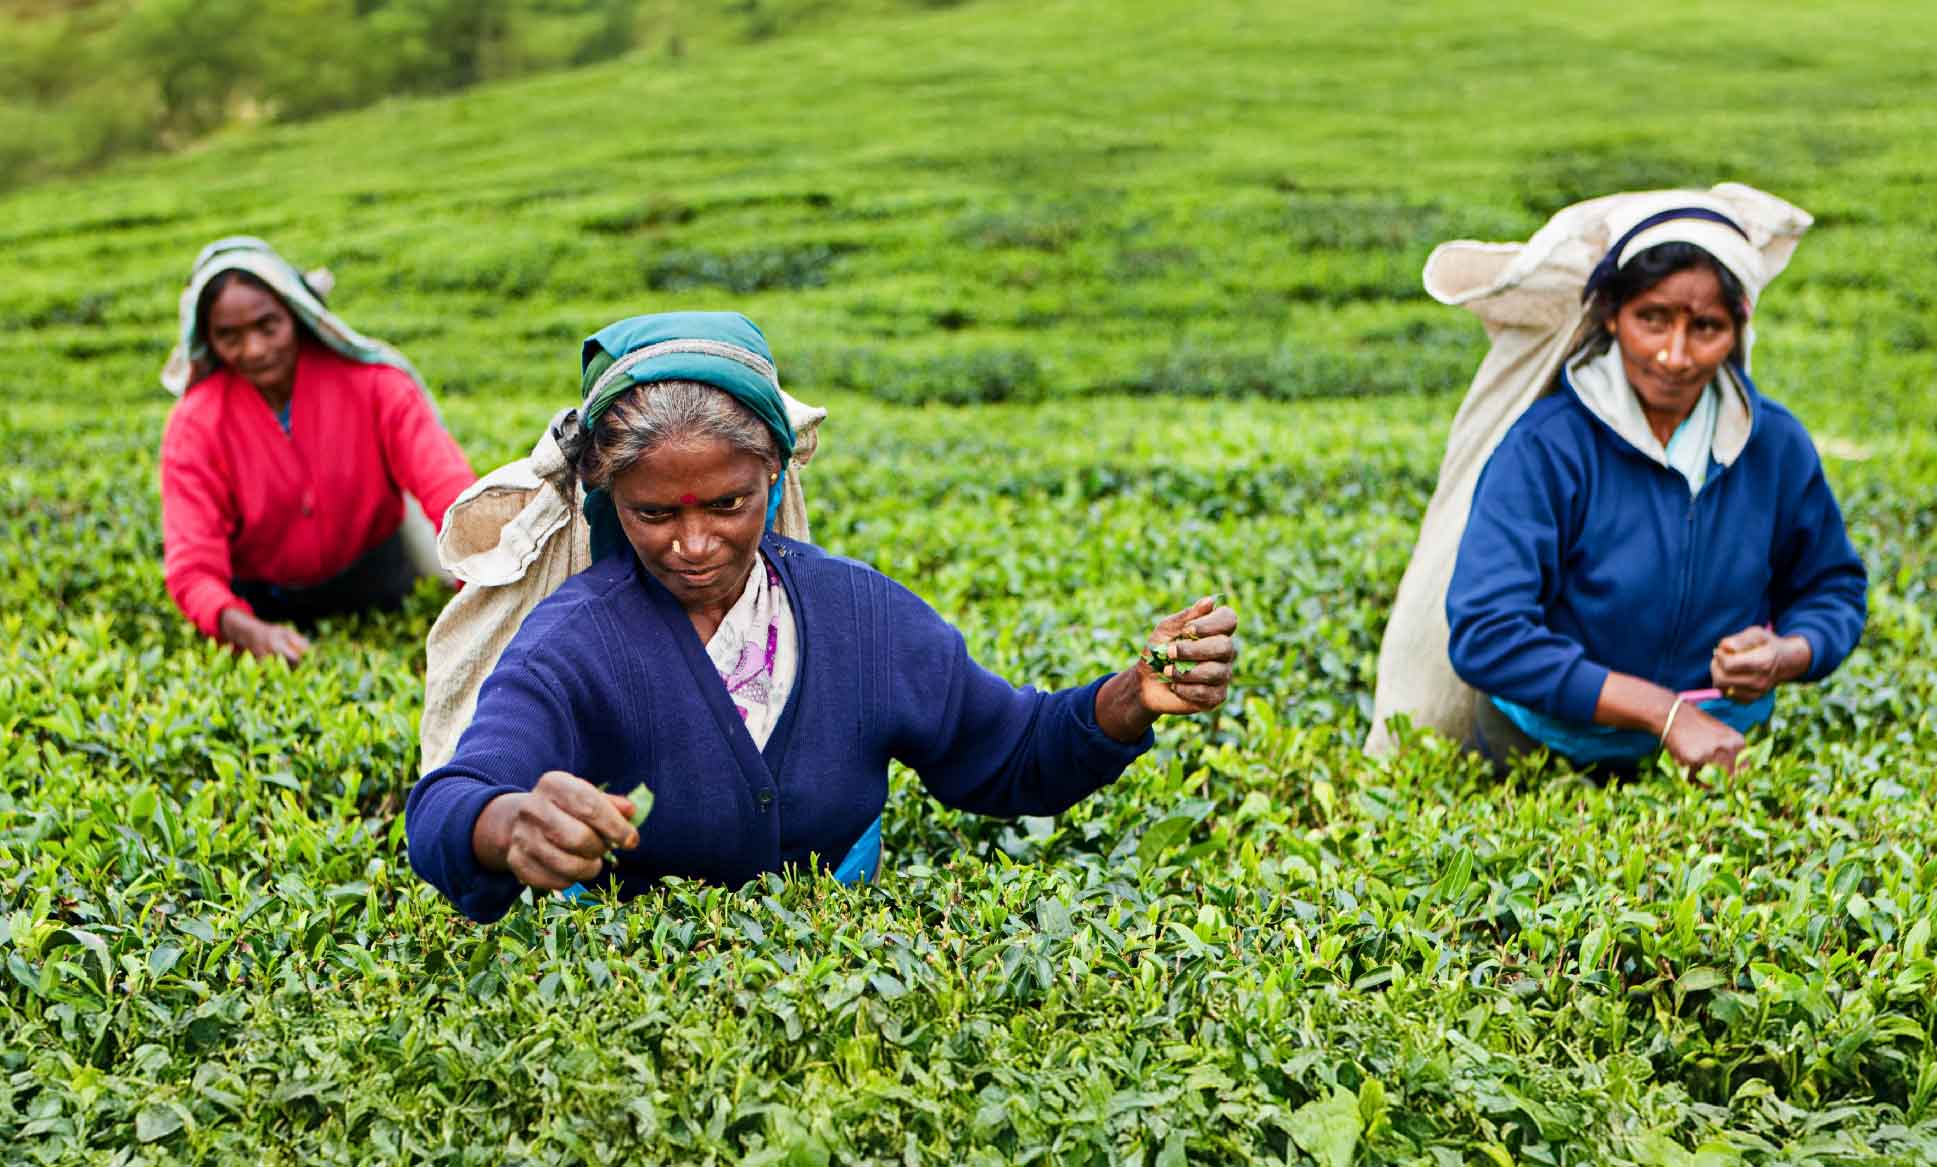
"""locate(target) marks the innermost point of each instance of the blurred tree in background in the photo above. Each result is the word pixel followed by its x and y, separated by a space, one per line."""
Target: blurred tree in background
pixel 84 81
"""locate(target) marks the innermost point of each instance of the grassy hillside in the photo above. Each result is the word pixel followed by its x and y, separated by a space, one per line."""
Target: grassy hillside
pixel 87 82
pixel 1113 305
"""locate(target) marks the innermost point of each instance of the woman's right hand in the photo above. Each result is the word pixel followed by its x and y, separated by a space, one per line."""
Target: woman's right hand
pixel 1696 739
pixel 260 638
pixel 554 835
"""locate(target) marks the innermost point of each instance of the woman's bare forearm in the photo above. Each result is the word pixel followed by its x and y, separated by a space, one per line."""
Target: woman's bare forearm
pixel 1793 658
pixel 1119 711
pixel 1628 702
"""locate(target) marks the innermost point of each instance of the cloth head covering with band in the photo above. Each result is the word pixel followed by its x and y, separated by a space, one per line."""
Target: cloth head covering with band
pixel 1535 300
pixel 722 349
pixel 1682 224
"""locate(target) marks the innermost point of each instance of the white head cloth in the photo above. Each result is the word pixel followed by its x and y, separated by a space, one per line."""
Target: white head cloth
pixel 1537 285
pixel 1729 245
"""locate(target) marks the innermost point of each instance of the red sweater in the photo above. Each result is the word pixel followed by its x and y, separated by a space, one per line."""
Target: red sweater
pixel 240 499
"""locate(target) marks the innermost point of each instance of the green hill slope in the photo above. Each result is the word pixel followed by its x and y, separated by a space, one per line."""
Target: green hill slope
pixel 1003 200
pixel 1113 304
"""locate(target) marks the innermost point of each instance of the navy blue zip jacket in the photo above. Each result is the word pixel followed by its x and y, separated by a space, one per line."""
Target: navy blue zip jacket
pixel 606 679
pixel 1584 555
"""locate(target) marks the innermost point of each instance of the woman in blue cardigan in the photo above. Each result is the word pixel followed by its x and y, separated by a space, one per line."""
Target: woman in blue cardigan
pixel 1653 548
pixel 757 686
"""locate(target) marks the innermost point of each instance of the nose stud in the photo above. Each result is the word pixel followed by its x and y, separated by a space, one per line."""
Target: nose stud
pixel 1661 358
pixel 676 550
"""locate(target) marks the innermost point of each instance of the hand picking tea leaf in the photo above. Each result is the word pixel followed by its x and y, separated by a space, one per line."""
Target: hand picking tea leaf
pixel 641 798
pixel 1166 665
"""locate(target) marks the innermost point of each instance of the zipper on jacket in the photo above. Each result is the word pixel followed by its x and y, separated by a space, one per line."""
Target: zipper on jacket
pixel 1681 593
pixel 1690 529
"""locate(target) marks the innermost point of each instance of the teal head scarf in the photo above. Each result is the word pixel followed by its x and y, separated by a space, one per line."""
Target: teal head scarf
pixel 721 349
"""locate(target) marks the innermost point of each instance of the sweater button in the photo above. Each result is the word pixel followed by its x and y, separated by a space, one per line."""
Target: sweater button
pixel 766 799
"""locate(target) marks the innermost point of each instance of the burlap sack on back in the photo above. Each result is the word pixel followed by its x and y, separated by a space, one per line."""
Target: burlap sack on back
pixel 513 538
pixel 1528 295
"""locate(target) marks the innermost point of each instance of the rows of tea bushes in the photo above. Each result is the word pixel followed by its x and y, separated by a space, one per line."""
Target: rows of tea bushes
pixel 216 943
pixel 1109 313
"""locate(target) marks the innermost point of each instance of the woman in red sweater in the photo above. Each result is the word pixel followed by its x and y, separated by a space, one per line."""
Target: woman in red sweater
pixel 285 465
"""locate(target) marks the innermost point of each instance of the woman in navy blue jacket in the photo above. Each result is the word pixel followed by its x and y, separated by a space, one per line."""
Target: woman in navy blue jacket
pixel 1653 548
pixel 757 686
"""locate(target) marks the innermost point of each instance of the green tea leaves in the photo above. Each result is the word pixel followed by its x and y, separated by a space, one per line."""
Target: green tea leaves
pixel 1328 1128
pixel 157 1120
pixel 641 798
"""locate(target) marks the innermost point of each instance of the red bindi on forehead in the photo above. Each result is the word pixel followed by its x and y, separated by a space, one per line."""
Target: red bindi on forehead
pixel 687 500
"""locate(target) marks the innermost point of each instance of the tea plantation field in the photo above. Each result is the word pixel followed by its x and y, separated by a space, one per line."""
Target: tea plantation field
pixel 1113 305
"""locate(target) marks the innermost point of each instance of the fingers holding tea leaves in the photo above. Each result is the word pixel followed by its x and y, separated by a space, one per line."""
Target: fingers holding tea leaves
pixel 1193 654
pixel 603 817
pixel 1199 698
pixel 639 799
pixel 635 806
pixel 1189 643
pixel 1754 636
pixel 1218 620
pixel 1209 672
pixel 287 643
pixel 1697 739
pixel 1188 660
pixel 536 862
pixel 1177 625
pixel 260 638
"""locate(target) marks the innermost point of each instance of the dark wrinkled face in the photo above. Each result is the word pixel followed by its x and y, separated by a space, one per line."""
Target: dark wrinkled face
pixel 1673 337
pixel 254 334
pixel 694 513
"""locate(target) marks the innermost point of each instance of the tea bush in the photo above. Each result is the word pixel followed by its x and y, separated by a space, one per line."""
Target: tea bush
pixel 1113 307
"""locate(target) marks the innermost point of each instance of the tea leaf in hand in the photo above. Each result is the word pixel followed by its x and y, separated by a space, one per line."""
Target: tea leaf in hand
pixel 641 798
pixel 1166 665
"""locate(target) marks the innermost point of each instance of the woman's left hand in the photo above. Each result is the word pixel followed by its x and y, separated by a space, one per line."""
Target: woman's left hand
pixel 1747 665
pixel 1192 651
pixel 1188 666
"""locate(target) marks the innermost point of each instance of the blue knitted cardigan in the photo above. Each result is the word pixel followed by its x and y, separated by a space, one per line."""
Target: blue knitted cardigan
pixel 607 679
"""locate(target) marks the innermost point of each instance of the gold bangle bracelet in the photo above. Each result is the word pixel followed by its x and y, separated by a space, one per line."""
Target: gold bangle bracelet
pixel 1670 723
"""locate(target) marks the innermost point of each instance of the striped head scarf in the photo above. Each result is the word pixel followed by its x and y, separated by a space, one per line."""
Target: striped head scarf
pixel 722 349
